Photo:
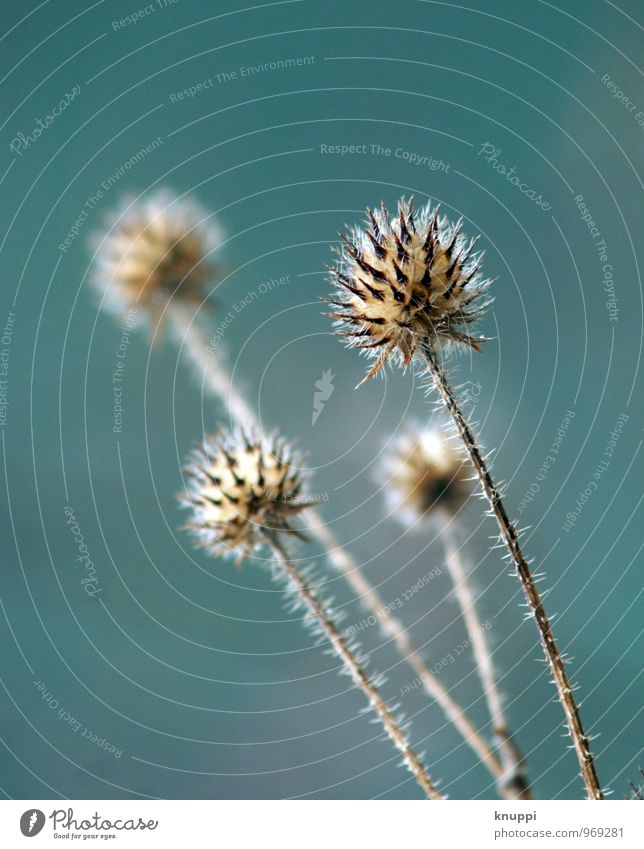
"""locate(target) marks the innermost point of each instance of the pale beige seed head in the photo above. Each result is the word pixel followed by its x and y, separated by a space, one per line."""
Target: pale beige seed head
pixel 425 473
pixel 405 281
pixel 155 248
pixel 244 490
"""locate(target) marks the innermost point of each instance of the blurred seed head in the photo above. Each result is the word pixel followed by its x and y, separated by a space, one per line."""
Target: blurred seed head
pixel 406 280
pixel 244 490
pixel 154 249
pixel 425 472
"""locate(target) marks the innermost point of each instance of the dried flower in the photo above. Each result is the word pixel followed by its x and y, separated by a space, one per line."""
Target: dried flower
pixel 244 491
pixel 412 287
pixel 427 475
pixel 425 472
pixel 155 248
pixel 408 280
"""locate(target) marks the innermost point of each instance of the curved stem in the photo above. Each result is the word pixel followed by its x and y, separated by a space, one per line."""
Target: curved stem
pixel 359 676
pixel 510 538
pixel 392 628
pixel 513 783
pixel 215 377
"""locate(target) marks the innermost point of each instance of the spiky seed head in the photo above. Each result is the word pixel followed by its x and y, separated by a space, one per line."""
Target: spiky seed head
pixel 244 490
pixel 407 280
pixel 153 249
pixel 425 472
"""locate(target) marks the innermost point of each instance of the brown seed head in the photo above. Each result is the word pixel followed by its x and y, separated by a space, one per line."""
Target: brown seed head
pixel 243 490
pixel 155 248
pixel 406 280
pixel 426 472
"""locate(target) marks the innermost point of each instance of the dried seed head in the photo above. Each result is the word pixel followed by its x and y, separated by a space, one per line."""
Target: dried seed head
pixel 424 473
pixel 154 248
pixel 408 280
pixel 243 490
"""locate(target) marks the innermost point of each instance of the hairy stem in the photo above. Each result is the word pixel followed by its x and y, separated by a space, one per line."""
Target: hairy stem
pixel 510 538
pixel 359 676
pixel 393 629
pixel 513 783
pixel 219 383
pixel 216 378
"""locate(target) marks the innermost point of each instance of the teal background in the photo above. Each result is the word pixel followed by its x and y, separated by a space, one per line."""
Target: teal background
pixel 196 670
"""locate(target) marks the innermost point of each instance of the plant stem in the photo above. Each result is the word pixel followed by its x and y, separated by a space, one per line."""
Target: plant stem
pixel 221 386
pixel 392 628
pixel 360 678
pixel 215 377
pixel 513 783
pixel 216 380
pixel 510 538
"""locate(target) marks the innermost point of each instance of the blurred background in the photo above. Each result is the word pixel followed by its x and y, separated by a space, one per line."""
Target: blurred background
pixel 185 677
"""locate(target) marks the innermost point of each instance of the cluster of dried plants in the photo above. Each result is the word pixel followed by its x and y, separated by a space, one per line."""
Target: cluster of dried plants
pixel 408 290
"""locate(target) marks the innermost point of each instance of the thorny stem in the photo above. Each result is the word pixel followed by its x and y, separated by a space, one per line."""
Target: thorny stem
pixel 217 380
pixel 511 540
pixel 513 783
pixel 359 676
pixel 392 628
pixel 215 377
